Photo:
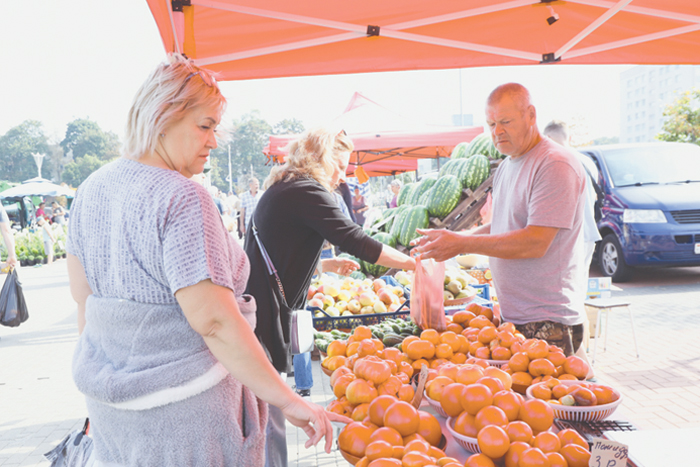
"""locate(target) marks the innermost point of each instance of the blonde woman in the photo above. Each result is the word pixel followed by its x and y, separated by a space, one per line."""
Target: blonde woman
pixel 167 357
pixel 297 212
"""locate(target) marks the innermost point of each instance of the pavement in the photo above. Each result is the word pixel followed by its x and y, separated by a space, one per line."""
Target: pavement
pixel 39 403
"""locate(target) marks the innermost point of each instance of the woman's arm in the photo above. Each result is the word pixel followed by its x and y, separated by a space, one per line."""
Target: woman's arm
pixel 212 312
pixel 395 259
pixel 79 287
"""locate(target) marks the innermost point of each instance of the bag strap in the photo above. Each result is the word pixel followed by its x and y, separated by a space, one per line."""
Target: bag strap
pixel 268 262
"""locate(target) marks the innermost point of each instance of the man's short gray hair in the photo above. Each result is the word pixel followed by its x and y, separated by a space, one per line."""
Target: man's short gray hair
pixel 558 131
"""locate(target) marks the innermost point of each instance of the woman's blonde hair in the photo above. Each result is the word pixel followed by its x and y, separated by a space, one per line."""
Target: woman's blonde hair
pixel 174 88
pixel 315 154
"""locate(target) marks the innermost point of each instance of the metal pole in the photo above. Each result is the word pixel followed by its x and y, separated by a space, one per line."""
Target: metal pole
pixel 230 177
pixel 461 113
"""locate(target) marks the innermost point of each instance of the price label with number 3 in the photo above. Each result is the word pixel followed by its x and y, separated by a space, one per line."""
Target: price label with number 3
pixel 606 453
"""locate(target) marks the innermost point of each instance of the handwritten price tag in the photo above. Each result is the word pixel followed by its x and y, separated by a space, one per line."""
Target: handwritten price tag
pixel 606 453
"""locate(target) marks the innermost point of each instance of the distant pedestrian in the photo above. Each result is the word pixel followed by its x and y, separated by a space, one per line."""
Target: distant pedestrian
pixel 395 187
pixel 249 201
pixel 58 214
pixel 359 206
pixel 40 212
pixel 49 238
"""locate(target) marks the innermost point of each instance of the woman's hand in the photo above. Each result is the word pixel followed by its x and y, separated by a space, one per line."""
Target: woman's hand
pixel 341 266
pixel 314 420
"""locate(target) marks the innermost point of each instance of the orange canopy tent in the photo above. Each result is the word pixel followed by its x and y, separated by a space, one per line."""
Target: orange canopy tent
pixel 245 39
pixel 385 143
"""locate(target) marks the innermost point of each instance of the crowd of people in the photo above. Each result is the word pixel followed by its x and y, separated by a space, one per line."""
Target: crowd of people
pixel 186 326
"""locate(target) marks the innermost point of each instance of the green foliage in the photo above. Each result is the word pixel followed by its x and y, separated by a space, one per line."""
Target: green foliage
pixel 247 138
pixel 16 148
pixel 84 137
pixel 606 140
pixel 682 119
pixel 74 173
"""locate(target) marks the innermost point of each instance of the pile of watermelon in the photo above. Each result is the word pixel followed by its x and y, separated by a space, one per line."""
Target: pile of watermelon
pixel 469 166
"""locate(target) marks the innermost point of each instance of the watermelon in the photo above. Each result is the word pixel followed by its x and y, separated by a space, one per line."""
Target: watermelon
pixel 403 194
pixel 388 219
pixel 445 196
pixel 448 167
pixel 399 218
pixel 459 151
pixel 483 144
pixel 416 218
pixel 359 275
pixel 425 198
pixel 423 186
pixel 375 269
pixel 477 171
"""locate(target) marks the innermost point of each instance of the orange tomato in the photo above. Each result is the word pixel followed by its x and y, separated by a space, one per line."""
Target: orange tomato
pixel 569 436
pixel 556 460
pixel 479 460
pixel 547 442
pixel 475 397
pixel 406 393
pixel 430 335
pixel 451 399
pixel 463 317
pixel 469 374
pixel 515 451
pixel 538 414
pixel 501 375
pixel 403 417
pixel 575 455
pixel 377 449
pixel 429 428
pixel 417 445
pixel 509 402
pixel 387 434
pixel 415 459
pixel 465 424
pixel 494 384
pixel 444 351
pixel 519 362
pixel 533 457
pixel 360 412
pixel 354 438
pixel 490 415
pixel 378 406
pixel 384 462
pixel 362 332
pixel 519 431
pixel 493 441
pixel 576 366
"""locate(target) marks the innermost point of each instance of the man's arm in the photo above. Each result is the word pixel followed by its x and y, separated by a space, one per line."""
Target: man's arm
pixel 241 223
pixel 531 242
pixel 79 287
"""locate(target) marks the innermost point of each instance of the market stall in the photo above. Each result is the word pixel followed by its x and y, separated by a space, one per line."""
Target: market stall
pixel 385 143
pixel 484 386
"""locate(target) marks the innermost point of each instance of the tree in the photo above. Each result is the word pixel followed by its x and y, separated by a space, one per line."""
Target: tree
pixel 288 127
pixel 84 136
pixel 682 119
pixel 74 173
pixel 16 148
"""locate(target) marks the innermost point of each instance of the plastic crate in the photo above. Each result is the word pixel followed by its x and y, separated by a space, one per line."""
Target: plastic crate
pixel 326 323
pixel 483 291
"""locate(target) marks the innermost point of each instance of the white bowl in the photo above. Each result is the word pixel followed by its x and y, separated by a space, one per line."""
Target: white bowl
pixel 468 443
pixel 579 413
pixel 469 261
pixel 435 404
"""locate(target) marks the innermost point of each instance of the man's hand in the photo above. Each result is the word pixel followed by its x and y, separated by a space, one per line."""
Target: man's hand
pixel 341 266
pixel 440 244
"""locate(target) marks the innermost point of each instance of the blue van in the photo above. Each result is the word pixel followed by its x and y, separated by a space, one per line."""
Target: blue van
pixel 650 212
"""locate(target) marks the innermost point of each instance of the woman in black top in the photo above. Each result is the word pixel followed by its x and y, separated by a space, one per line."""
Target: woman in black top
pixel 297 212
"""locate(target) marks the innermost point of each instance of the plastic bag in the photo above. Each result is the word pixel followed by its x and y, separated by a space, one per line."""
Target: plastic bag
pixel 13 308
pixel 427 295
pixel 74 451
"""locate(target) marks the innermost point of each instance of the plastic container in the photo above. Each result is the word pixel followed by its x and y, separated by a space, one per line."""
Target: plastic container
pixel 468 443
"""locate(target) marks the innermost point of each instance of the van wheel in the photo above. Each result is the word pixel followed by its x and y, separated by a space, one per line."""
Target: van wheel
pixel 611 260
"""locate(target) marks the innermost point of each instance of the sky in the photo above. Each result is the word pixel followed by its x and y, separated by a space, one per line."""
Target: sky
pixel 86 59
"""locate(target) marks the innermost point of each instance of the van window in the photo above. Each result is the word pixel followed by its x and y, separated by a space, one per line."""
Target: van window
pixel 653 164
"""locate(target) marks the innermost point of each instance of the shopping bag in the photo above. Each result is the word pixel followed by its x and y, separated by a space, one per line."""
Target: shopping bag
pixel 13 308
pixel 427 294
pixel 74 451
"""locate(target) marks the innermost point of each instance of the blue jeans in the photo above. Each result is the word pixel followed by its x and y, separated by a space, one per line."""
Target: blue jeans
pixel 303 377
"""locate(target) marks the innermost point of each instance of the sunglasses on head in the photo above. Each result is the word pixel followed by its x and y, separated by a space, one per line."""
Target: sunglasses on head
pixel 206 77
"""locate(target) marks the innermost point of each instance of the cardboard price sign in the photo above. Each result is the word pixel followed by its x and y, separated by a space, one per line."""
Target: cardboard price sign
pixel 606 453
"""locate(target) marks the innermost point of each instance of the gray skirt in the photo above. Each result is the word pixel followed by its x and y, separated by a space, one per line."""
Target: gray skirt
pixel 223 426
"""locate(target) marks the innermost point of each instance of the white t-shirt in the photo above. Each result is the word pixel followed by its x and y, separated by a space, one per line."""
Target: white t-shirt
pixel 543 187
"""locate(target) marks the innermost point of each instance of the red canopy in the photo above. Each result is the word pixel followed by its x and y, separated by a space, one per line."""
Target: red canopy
pixel 395 144
pixel 245 39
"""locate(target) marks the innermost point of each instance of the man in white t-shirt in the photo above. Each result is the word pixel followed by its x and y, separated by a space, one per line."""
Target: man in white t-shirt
pixel 534 240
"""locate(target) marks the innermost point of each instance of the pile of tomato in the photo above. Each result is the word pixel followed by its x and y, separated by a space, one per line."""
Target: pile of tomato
pixel 371 383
